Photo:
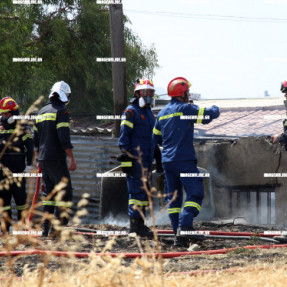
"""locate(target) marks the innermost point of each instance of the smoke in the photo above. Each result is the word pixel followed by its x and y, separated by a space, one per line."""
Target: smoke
pixel 236 220
pixel 233 199
pixel 161 218
pixel 111 219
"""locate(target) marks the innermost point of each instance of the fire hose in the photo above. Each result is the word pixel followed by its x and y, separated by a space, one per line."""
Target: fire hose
pixel 134 255
pixel 204 232
pixel 205 237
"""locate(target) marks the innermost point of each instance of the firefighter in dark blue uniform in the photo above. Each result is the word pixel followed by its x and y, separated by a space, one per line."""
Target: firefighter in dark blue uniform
pixel 136 132
pixel 282 138
pixel 174 129
pixel 52 144
pixel 17 157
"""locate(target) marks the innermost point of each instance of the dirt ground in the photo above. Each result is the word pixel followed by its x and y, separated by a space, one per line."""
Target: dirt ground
pixel 126 244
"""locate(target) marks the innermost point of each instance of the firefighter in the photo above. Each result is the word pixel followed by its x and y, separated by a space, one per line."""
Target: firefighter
pixel 17 157
pixel 136 131
pixel 282 138
pixel 178 155
pixel 52 145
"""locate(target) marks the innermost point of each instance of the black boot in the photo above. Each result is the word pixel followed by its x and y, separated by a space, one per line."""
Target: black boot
pixel 47 223
pixel 56 233
pixel 134 225
pixel 137 226
pixel 144 231
pixel 180 240
pixel 45 228
pixel 6 227
pixel 7 221
pixel 184 236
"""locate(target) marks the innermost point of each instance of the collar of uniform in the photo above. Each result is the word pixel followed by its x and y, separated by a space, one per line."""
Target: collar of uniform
pixel 56 102
pixel 134 101
pixel 175 100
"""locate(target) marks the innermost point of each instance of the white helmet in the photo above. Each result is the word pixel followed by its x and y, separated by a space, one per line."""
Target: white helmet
pixel 62 89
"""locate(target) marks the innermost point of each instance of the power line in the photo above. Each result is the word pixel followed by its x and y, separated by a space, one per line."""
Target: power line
pixel 209 16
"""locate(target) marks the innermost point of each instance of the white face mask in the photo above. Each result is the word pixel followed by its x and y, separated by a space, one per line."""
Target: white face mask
pixel 142 102
pixel 145 101
pixel 11 120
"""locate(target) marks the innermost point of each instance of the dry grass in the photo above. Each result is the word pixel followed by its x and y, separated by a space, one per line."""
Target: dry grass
pixel 110 272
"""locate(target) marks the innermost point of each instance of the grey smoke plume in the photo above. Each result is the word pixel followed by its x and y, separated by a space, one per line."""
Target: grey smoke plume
pixel 119 220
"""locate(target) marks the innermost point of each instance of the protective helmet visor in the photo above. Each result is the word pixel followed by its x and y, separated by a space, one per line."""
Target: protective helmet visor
pixel 146 92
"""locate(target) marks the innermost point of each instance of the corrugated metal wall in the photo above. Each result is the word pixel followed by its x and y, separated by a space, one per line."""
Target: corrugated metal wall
pixel 93 155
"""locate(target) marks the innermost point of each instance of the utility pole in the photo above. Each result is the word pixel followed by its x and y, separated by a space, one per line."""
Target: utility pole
pixel 118 68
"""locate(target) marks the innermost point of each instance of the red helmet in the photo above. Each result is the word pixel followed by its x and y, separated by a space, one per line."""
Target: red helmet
pixel 7 104
pixel 178 86
pixel 144 84
pixel 284 87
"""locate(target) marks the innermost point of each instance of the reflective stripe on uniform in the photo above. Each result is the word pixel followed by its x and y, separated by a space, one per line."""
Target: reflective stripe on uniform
pixel 57 203
pixel 46 117
pixel 7 131
pixel 61 125
pixel 200 115
pixel 21 207
pixel 170 116
pixel 26 136
pixel 63 203
pixel 174 210
pixel 127 123
pixel 126 163
pixel 138 202
pixel 8 207
pixel 52 203
pixel 157 132
pixel 192 204
pixel 35 128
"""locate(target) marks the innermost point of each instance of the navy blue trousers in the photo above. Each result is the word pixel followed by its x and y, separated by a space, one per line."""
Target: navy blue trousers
pixel 193 187
pixel 137 195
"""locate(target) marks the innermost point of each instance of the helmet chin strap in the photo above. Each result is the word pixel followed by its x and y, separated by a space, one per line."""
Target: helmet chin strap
pixel 185 97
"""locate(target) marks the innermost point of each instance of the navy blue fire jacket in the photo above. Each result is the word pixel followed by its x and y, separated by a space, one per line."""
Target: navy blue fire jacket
pixel 52 131
pixel 174 129
pixel 136 131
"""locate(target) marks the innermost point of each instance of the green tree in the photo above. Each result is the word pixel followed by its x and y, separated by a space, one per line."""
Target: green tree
pixel 68 35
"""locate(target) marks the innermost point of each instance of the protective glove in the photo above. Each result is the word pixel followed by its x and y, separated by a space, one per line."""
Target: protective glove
pixel 126 163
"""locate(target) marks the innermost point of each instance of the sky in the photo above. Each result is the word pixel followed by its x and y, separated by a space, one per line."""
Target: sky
pixel 239 53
